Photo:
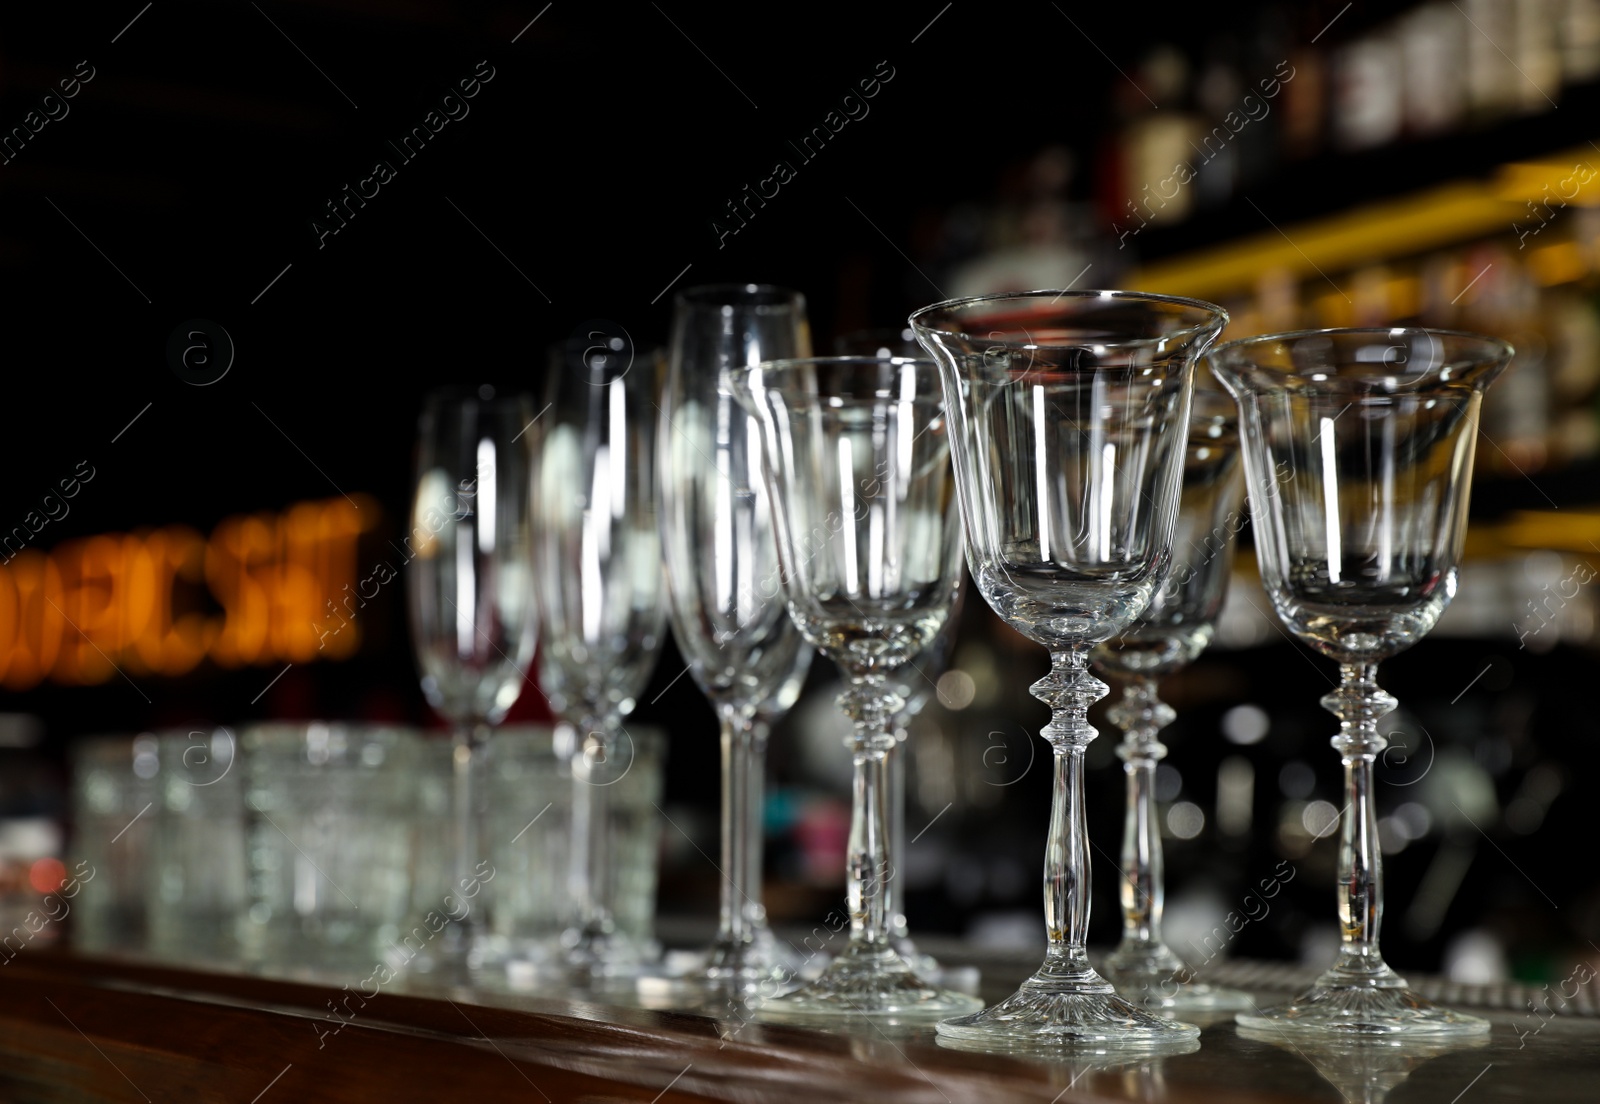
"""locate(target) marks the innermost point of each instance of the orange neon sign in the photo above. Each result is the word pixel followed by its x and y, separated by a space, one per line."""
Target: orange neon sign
pixel 148 602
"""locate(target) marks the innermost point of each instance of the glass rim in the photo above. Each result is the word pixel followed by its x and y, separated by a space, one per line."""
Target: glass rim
pixel 1496 350
pixel 293 733
pixel 1217 317
pixel 749 295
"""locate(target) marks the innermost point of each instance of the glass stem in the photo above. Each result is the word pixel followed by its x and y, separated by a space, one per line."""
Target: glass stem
pixel 734 931
pixel 869 703
pixel 755 829
pixel 1358 703
pixel 1069 689
pixel 1141 714
pixel 591 837
pixel 469 798
pixel 892 904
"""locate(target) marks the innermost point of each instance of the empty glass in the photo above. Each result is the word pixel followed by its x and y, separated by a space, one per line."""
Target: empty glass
pixel 722 575
pixel 857 462
pixel 1168 636
pixel 328 810
pixel 531 792
pixel 916 684
pixel 115 790
pixel 598 561
pixel 470 587
pixel 1070 413
pixel 197 889
pixel 1358 449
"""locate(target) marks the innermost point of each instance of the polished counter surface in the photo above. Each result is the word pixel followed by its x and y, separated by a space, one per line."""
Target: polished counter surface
pixel 79 1028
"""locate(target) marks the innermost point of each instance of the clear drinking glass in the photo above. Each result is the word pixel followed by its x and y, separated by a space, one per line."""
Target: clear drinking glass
pixel 1167 637
pixel 1358 449
pixel 598 561
pixel 471 594
pixel 531 793
pixel 1070 414
pixel 916 680
pixel 857 462
pixel 328 810
pixel 723 581
pixel 116 784
pixel 197 855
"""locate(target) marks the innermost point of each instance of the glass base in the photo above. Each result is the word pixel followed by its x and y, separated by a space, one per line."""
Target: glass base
pixel 925 966
pixel 725 974
pixel 1153 977
pixel 867 981
pixel 769 954
pixel 468 957
pixel 742 967
pixel 1052 1011
pixel 588 954
pixel 1376 1006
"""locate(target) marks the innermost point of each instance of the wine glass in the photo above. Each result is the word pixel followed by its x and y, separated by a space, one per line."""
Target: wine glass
pixel 597 558
pixel 916 683
pixel 1070 414
pixel 471 602
pixel 1167 637
pixel 857 465
pixel 723 580
pixel 1358 450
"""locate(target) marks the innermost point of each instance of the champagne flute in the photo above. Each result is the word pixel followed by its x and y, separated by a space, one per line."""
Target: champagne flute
pixel 598 565
pixel 471 603
pixel 723 582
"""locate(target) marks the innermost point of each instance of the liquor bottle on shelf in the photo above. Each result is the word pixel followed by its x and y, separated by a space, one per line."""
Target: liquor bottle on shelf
pixel 1432 43
pixel 1368 95
pixel 1492 78
pixel 1579 41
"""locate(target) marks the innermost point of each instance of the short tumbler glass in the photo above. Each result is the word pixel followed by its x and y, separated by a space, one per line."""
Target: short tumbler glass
pixel 328 813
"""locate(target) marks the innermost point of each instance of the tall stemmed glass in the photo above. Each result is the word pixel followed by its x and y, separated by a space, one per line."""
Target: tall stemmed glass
pixel 723 583
pixel 1358 448
pixel 857 462
pixel 1070 414
pixel 598 562
pixel 915 681
pixel 1167 637
pixel 471 600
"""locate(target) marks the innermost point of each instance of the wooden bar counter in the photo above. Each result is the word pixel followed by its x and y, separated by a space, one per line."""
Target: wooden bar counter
pixel 76 1028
